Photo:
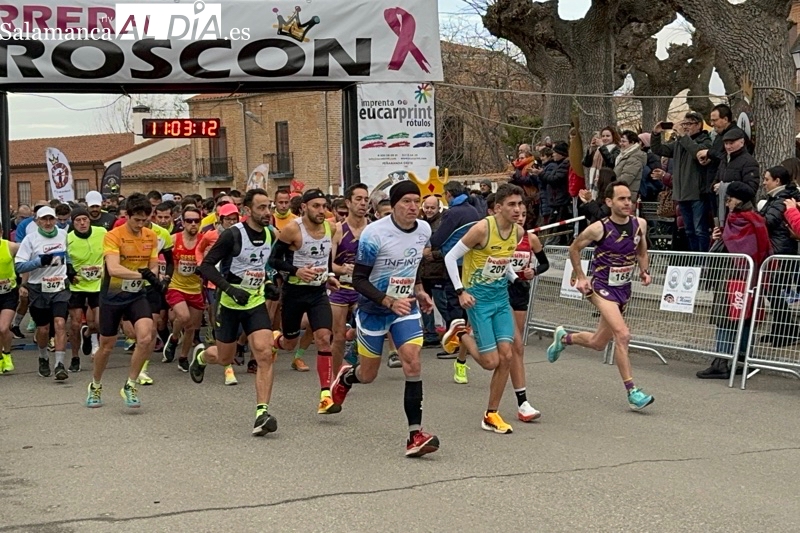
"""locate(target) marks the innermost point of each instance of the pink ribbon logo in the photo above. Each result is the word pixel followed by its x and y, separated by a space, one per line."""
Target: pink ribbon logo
pixel 404 26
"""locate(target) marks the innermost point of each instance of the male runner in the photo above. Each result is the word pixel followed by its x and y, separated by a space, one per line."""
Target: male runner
pixel 283 214
pixel 386 276
pixel 620 243
pixel 131 258
pixel 42 262
pixel 344 247
pixel 487 249
pixel 243 251
pixel 98 217
pixel 9 298
pixel 303 249
pixel 85 272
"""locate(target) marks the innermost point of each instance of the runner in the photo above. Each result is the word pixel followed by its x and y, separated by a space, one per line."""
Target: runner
pixel 242 252
pixel 42 262
pixel 85 272
pixel 343 250
pixel 131 258
pixel 97 217
pixel 9 298
pixel 386 276
pixel 519 294
pixel 185 294
pixel 304 251
pixel 282 215
pixel 620 243
pixel 487 249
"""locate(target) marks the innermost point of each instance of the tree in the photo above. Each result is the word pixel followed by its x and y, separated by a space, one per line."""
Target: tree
pixel 116 117
pixel 574 56
pixel 751 39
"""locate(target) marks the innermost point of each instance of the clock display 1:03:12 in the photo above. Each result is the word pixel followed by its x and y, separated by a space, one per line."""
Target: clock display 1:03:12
pixel 159 128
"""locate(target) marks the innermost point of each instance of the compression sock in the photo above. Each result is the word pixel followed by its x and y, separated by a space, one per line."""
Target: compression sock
pixel 300 352
pixel 522 397
pixel 324 364
pixel 628 384
pixel 412 403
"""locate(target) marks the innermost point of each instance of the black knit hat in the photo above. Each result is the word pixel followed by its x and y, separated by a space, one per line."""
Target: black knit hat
pixel 77 212
pixel 561 148
pixel 740 191
pixel 401 189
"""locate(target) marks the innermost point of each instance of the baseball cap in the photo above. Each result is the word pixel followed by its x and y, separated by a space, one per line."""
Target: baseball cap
pixel 228 210
pixel 167 197
pixel 94 198
pixel 46 211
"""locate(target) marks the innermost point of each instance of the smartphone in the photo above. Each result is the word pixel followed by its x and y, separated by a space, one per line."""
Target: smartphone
pixel 667 125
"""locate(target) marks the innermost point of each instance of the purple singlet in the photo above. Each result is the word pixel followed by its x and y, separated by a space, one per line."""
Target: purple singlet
pixel 345 253
pixel 615 259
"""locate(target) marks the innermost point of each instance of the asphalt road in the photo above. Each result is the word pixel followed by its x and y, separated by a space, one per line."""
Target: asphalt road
pixel 703 457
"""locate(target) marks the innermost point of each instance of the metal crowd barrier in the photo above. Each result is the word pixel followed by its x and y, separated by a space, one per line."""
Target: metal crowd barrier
pixel 710 290
pixel 774 335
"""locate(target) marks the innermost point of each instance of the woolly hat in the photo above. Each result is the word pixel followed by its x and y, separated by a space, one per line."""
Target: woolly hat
pixel 401 189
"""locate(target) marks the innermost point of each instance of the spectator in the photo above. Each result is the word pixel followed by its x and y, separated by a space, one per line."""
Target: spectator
pixel 546 155
pixel 555 179
pixel 592 209
pixel 630 163
pixel 650 187
pixel 603 151
pixel 738 165
pixel 793 166
pixel 526 175
pixel 433 273
pixel 778 184
pixel 722 121
pixel 688 176
pixel 744 233
pixel 154 197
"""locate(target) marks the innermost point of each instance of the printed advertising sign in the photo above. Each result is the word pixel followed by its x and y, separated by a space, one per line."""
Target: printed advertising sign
pixel 680 289
pixel 568 289
pixel 396 130
pixel 61 183
pixel 102 42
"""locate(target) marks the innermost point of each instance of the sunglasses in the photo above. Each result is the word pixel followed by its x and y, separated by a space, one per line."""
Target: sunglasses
pixel 191 220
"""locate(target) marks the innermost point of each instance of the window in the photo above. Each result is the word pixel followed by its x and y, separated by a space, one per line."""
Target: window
pixel 282 147
pixel 48 194
pixel 218 152
pixel 24 192
pixel 81 188
pixel 451 144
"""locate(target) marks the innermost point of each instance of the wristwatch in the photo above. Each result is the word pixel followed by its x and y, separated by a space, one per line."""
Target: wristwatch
pixel 459 292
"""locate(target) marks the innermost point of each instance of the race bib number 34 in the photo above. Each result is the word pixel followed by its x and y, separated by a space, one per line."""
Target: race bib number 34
pixel 520 261
pixel 400 287
pixel 620 276
pixel 495 267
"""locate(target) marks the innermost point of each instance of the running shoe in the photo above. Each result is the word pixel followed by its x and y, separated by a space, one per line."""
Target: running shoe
pixel 130 394
pixel 555 349
pixel 7 363
pixel 44 368
pixel 75 364
pixel 17 333
pixel 31 326
pixel 159 345
pixel 86 340
pixel 326 405
pixel 252 366
pixel 394 361
pixel 144 378
pixel 460 375
pixel 183 364
pixel 230 377
pixel 196 369
pixel 61 372
pixel 169 349
pixel 338 389
pixel 299 365
pixel 638 400
pixel 265 423
pixel 527 413
pixel 494 422
pixel 130 345
pixel 421 443
pixel 93 396
pixel 51 345
pixel 450 339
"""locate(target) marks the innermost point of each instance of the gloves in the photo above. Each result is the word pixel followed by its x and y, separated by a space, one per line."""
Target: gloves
pixel 240 296
pixel 46 259
pixel 72 275
pixel 272 292
pixel 152 279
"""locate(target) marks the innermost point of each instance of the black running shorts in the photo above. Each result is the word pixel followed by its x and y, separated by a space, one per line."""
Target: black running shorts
pixel 112 314
pixel 228 322
pixel 299 301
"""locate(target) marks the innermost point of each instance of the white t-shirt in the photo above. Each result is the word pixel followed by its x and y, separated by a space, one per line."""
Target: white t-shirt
pixel 35 244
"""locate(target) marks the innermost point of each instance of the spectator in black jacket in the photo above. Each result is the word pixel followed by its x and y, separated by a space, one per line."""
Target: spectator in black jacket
pixel 784 330
pixel 738 165
pixel 592 209
pixel 556 178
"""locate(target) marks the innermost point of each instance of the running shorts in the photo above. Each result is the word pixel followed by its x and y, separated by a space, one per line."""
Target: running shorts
pixel 229 320
pixel 492 322
pixel 195 301
pixel 372 330
pixel 82 300
pixel 299 301
pixel 111 315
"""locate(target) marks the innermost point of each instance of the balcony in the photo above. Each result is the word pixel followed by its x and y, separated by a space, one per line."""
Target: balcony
pixel 214 168
pixel 280 165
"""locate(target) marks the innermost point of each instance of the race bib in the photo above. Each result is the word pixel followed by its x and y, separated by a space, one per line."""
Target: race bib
pixel 187 268
pixel 520 261
pixel 253 279
pixel 400 288
pixel 91 273
pixel 53 284
pixel 320 278
pixel 495 267
pixel 5 286
pixel 132 285
pixel 346 278
pixel 162 267
pixel 620 276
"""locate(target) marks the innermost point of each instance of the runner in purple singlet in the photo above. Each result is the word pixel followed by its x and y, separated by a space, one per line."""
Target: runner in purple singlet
pixel 620 243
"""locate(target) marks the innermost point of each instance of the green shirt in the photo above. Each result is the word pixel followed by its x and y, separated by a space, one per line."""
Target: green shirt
pixel 86 256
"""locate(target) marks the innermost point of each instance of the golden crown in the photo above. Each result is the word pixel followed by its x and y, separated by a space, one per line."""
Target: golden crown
pixel 434 185
pixel 293 27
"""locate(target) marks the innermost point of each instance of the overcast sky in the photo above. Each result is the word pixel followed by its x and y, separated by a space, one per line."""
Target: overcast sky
pixel 43 116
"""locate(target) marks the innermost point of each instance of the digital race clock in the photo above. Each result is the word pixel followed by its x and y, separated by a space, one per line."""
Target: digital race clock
pixel 161 128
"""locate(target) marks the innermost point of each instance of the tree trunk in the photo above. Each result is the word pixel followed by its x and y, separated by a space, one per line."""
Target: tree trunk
pixel 557 109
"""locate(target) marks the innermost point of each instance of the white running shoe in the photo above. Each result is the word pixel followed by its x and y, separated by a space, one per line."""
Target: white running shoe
pixel 527 413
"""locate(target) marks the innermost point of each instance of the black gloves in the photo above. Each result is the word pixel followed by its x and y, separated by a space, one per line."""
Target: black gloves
pixel 240 296
pixel 72 275
pixel 151 278
pixel 46 259
pixel 272 292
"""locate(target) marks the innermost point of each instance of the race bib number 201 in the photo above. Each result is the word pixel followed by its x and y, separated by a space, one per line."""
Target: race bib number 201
pixel 400 288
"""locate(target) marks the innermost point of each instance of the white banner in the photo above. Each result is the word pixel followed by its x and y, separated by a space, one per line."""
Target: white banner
pixel 61 182
pixel 396 130
pixel 101 42
pixel 568 289
pixel 680 289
